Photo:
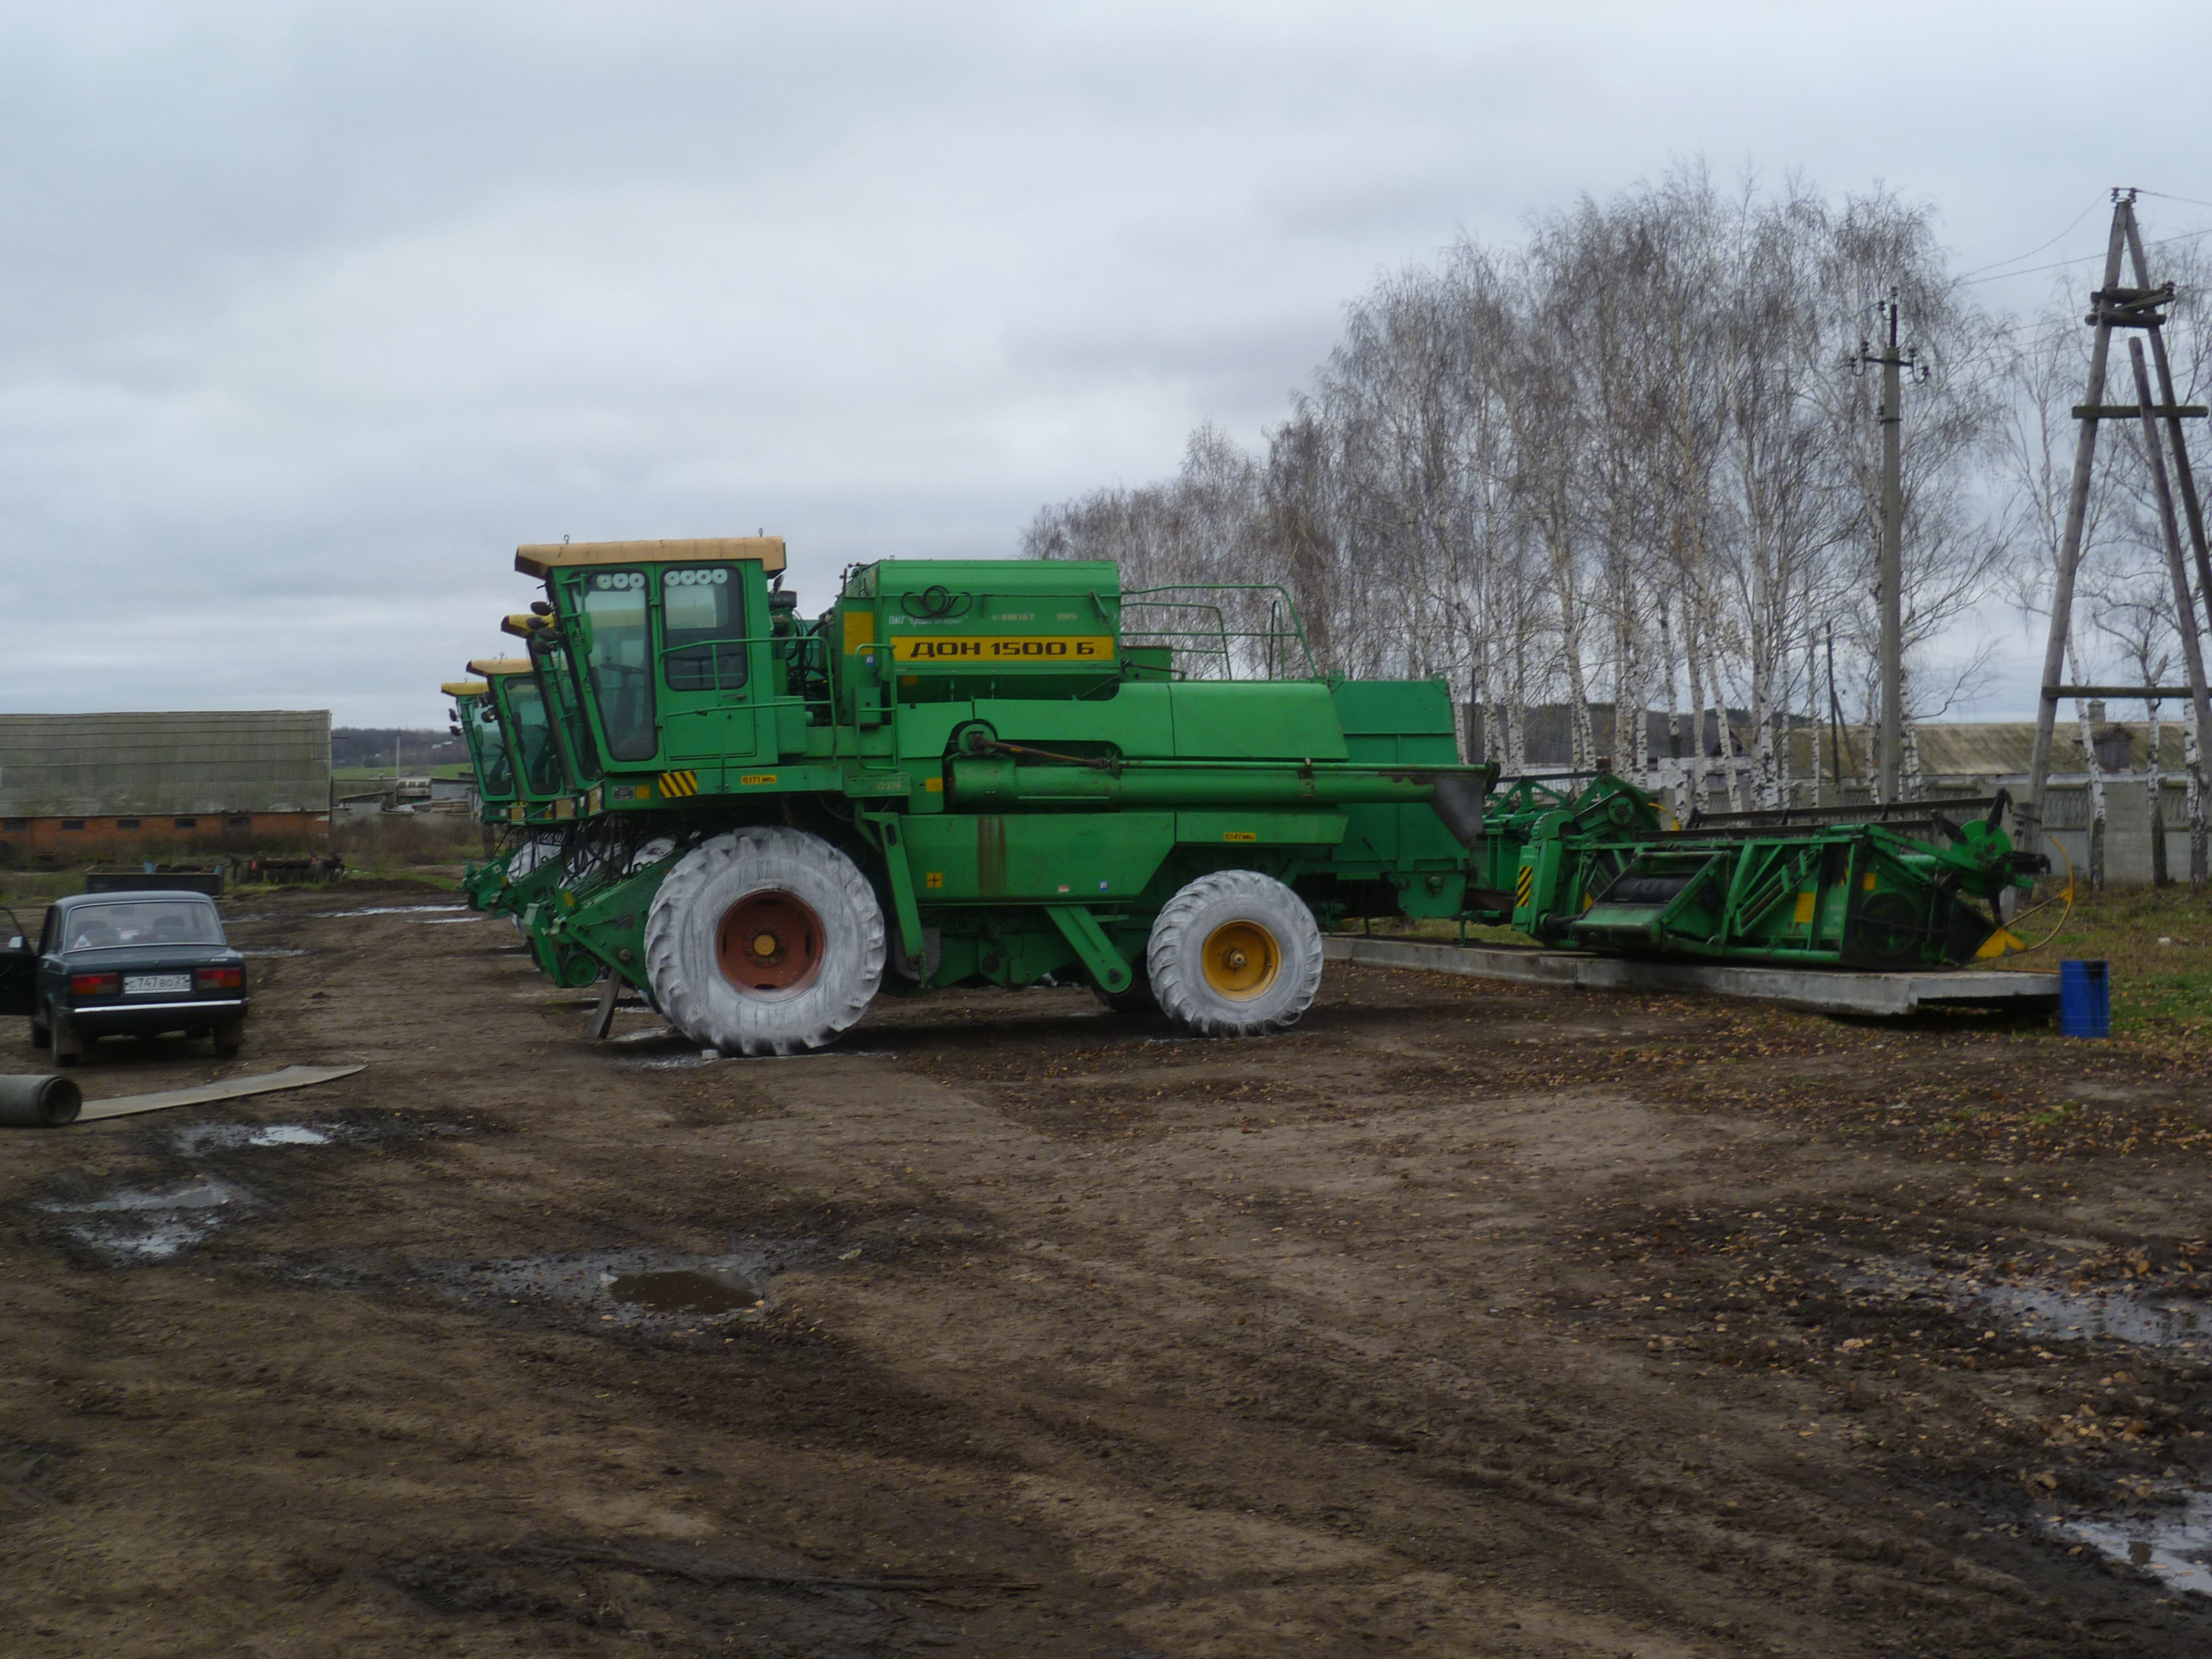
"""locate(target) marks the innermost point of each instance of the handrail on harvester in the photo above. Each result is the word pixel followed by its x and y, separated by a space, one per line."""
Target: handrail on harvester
pixel 1281 608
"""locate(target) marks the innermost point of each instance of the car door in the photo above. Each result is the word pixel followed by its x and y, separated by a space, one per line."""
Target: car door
pixel 19 967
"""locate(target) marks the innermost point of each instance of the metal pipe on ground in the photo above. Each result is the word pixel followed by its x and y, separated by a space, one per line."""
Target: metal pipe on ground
pixel 39 1102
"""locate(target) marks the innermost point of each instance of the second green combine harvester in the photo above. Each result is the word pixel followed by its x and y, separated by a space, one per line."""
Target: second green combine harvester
pixel 962 772
pixel 994 771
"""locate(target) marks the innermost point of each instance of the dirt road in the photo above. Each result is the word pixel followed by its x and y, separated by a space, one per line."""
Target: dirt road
pixel 1464 1320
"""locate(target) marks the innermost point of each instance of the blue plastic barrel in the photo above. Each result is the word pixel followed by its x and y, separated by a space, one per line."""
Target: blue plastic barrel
pixel 2085 999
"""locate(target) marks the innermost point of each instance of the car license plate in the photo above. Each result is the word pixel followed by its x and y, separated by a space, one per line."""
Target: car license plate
pixel 137 985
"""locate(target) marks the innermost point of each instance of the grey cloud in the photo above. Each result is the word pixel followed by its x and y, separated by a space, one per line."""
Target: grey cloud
pixel 309 315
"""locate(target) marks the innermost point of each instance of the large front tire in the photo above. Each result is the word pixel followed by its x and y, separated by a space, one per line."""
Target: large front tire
pixel 1234 954
pixel 765 940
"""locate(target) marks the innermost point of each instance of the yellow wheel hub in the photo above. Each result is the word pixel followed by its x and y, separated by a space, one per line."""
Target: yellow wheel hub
pixel 1242 959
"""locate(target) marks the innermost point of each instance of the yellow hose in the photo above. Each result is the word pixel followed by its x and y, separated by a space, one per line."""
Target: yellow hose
pixel 2014 948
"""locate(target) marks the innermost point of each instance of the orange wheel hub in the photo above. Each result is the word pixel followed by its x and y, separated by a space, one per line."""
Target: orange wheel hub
pixel 770 942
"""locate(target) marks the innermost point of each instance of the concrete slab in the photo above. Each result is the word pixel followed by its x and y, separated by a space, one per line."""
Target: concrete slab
pixel 1820 990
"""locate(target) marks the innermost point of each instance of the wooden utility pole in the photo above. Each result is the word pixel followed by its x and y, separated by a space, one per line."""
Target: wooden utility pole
pixel 2114 307
pixel 1892 575
pixel 2192 654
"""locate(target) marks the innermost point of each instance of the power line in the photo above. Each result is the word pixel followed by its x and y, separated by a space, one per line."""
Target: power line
pixel 2038 247
pixel 2059 264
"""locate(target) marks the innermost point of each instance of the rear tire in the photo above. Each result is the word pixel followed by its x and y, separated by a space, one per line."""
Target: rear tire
pixel 229 1038
pixel 1234 954
pixel 42 1035
pixel 764 941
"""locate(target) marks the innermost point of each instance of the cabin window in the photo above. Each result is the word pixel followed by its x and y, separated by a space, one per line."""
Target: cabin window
pixel 533 737
pixel 490 739
pixel 619 672
pixel 702 629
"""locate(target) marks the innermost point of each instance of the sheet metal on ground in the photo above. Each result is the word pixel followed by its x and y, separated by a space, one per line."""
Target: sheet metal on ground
pixel 1826 990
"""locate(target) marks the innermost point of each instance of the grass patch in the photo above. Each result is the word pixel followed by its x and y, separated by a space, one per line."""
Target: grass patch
pixel 2161 993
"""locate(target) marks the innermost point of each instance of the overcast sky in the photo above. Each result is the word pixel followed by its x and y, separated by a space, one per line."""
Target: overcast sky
pixel 310 313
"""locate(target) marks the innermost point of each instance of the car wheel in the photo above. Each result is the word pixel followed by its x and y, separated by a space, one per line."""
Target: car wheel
pixel 229 1038
pixel 41 1035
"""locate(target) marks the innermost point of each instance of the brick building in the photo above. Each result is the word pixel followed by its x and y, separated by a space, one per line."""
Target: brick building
pixel 118 787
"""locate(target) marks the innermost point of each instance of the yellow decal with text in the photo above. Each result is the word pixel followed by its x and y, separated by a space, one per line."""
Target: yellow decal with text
pixel 756 777
pixel 1238 834
pixel 1035 648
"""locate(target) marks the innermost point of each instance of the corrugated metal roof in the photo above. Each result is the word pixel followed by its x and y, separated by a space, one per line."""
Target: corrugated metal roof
pixel 128 764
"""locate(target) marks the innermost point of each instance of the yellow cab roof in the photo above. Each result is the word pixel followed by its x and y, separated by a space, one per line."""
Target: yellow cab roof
pixel 542 559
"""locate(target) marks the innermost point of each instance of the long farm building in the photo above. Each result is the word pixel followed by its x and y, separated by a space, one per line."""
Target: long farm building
pixel 76 786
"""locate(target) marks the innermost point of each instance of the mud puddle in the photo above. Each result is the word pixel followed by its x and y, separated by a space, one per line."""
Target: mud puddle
pixel 129 1225
pixel 204 1138
pixel 2144 1319
pixel 2173 1542
pixel 646 1289
pixel 2045 1310
pixel 686 1291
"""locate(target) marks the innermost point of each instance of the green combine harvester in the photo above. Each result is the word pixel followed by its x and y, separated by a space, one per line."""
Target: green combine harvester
pixel 998 771
pixel 522 779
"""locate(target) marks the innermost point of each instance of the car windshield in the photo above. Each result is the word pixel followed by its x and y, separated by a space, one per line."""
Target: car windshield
pixel 138 922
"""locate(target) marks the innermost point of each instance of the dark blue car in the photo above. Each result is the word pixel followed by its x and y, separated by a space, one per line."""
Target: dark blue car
pixel 126 965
